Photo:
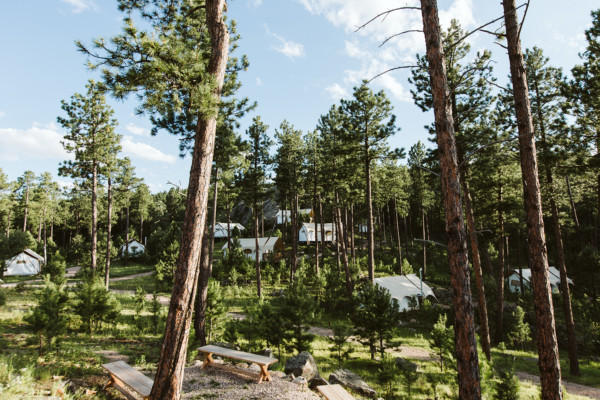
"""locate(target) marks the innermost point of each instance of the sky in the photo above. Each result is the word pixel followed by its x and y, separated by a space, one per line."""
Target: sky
pixel 305 55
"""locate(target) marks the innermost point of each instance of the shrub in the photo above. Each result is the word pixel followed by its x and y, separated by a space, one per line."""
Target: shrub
pixel 56 268
pixel 442 339
pixel 95 305
pixel 49 318
pixel 2 298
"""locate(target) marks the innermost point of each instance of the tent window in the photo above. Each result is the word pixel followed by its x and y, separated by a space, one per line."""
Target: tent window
pixel 21 262
pixel 248 251
pixel 515 283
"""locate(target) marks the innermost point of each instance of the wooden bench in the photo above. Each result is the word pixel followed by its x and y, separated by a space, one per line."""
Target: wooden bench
pixel 334 392
pixel 262 361
pixel 127 379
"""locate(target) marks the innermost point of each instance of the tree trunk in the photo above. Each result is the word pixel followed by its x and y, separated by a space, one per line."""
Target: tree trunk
pixel 45 238
pixel 549 365
pixel 573 209
pixel 94 216
pixel 424 242
pixel 202 294
pixel 483 316
pixel 212 229
pixel 500 273
pixel 8 223
pixel 257 253
pixel 142 228
pixel 352 247
pixel 108 234
pixel 341 240
pixel 169 375
pixel 398 236
pixel 228 229
pixel 370 233
pixel 322 225
pixel 127 231
pixel 564 285
pixel 316 226
pixel 26 208
pixel 469 386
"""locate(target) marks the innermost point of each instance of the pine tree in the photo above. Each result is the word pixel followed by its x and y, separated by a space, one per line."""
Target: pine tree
pixel 370 123
pixel 441 339
pixel 341 349
pixel 91 137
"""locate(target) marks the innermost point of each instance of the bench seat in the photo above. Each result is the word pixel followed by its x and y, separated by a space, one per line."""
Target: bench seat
pixel 126 379
pixel 334 392
pixel 262 361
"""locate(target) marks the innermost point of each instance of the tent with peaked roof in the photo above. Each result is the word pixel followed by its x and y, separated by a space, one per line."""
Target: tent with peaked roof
pixel 135 248
pixel 27 262
pixel 307 232
pixel 266 245
pixel 514 282
pixel 221 229
pixel 403 288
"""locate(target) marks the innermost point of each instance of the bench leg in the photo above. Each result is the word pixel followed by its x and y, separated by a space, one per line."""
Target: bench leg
pixel 264 374
pixel 207 360
pixel 107 384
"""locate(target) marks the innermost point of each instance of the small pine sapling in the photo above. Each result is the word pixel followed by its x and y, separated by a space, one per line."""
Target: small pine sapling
pixel 408 373
pixel 507 388
pixel 520 333
pixel 442 340
pixel 156 310
pixel 341 349
pixel 139 302
pixel 388 373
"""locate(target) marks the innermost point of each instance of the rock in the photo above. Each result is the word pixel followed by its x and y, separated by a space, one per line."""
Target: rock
pixel 278 374
pixel 289 377
pixel 353 382
pixel 413 321
pixel 242 365
pixel 404 364
pixel 267 353
pixel 254 368
pixel 318 381
pixel 302 365
pixel 300 381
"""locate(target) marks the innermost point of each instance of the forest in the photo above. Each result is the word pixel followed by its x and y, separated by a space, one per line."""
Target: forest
pixel 282 240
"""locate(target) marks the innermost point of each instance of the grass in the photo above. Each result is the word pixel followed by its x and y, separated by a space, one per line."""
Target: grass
pixel 121 268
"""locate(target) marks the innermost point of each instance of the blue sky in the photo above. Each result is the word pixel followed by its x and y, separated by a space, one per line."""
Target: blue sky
pixel 304 56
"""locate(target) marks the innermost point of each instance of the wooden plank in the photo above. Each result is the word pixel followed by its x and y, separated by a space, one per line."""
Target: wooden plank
pixel 249 374
pixel 334 392
pixel 238 355
pixel 131 377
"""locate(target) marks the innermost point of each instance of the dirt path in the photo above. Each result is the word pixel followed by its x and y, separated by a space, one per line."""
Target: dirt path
pixel 70 274
pixel 572 388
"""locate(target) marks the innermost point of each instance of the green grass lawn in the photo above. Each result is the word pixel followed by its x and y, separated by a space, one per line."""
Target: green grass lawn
pixel 121 268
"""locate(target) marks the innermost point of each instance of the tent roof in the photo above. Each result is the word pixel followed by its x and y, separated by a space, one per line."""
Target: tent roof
pixel 33 254
pixel 264 243
pixel 133 241
pixel 553 275
pixel 310 226
pixel 232 225
pixel 404 286
pixel 22 264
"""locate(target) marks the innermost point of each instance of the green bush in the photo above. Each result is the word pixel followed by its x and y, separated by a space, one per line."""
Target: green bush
pixel 2 298
pixel 95 305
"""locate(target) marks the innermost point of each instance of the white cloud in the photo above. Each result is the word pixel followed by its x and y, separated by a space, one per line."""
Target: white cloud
pixel 288 48
pixel 37 142
pixel 255 3
pixel 137 130
pixel 81 5
pixel 259 82
pixel 336 91
pixel 2 114
pixel 145 151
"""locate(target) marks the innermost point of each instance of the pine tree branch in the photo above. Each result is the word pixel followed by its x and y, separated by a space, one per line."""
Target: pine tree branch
pixel 523 20
pixel 483 147
pixel 385 14
pixel 430 241
pixel 391 69
pixel 482 26
pixel 398 34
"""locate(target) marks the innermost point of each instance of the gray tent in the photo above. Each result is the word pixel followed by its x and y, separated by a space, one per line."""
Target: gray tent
pixel 403 287
pixel 26 263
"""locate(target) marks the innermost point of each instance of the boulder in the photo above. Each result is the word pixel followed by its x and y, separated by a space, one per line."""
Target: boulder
pixel 302 365
pixel 267 353
pixel 317 381
pixel 404 364
pixel 278 374
pixel 353 382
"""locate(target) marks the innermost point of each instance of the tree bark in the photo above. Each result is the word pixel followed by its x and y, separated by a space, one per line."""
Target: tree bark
pixel 94 216
pixel 398 236
pixel 108 234
pixel 127 231
pixel 257 253
pixel 214 223
pixel 169 375
pixel 202 294
pixel 322 225
pixel 424 243
pixel 314 212
pixel 469 386
pixel 370 233
pixel 352 247
pixel 500 273
pixel 549 365
pixel 483 316
pixel 573 209
pixel 26 207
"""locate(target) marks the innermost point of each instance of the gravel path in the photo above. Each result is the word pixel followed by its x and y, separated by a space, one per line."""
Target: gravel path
pixel 218 384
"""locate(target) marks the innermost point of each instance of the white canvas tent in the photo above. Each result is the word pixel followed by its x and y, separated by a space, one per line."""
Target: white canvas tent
pixel 403 287
pixel 135 248
pixel 514 283
pixel 307 232
pixel 284 216
pixel 221 229
pixel 266 245
pixel 26 263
